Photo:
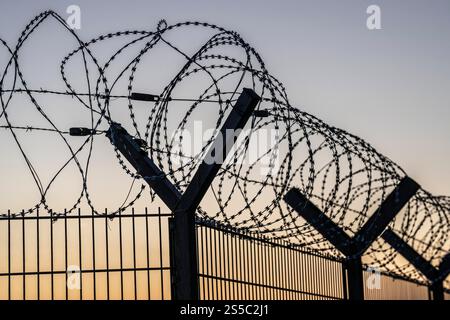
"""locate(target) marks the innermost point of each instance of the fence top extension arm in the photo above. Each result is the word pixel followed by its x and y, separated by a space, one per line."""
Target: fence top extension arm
pixel 158 181
pixel 218 151
pixel 387 211
pixel 371 230
pixel 430 272
pixel 144 166
pixel 444 267
pixel 319 221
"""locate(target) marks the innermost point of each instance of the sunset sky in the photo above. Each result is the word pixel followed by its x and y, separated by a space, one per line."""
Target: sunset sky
pixel 389 86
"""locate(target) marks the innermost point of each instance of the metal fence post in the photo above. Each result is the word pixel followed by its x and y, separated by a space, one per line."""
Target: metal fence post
pixel 437 290
pixel 355 278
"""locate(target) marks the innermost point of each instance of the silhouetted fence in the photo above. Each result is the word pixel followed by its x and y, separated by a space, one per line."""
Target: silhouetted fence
pixel 343 190
pixel 85 256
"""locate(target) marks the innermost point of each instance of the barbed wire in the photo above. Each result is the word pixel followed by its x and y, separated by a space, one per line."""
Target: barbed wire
pixel 341 173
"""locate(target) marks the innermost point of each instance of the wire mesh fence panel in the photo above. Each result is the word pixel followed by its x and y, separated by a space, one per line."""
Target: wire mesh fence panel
pixel 85 256
pixel 385 287
pixel 126 256
pixel 243 266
